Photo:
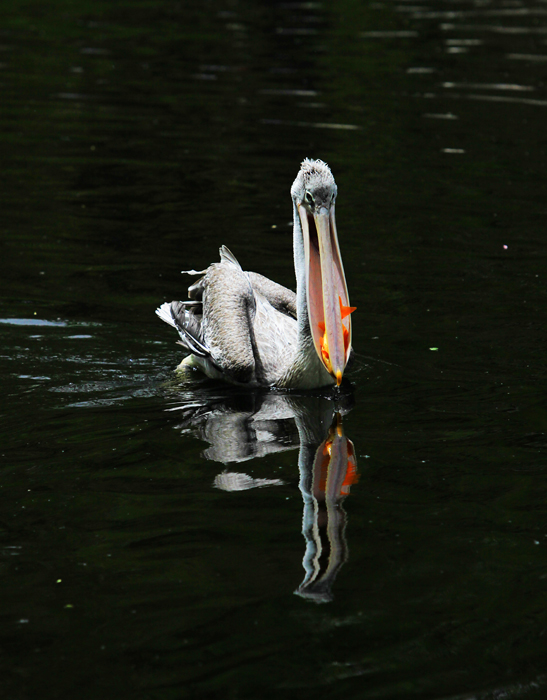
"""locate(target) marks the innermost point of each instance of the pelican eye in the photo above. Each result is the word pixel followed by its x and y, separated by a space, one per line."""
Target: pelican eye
pixel 309 198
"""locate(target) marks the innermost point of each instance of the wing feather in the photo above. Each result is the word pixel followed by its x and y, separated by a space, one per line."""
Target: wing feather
pixel 238 323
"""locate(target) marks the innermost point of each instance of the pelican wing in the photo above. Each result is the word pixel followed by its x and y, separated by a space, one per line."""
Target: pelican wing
pixel 281 298
pixel 227 325
pixel 187 320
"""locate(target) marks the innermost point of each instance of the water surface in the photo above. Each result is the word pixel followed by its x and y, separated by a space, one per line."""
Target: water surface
pixel 170 538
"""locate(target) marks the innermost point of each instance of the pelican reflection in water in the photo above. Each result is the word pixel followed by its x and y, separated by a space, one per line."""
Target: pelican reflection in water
pixel 245 427
pixel 243 328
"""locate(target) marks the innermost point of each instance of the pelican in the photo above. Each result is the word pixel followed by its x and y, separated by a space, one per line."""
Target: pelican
pixel 245 329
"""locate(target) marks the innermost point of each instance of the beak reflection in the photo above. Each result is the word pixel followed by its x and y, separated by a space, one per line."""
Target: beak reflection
pixel 324 487
pixel 247 427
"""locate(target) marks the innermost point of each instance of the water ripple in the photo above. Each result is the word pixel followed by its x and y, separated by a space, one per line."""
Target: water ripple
pixel 489 86
pixel 31 322
pixel 527 57
pixel 390 34
pixel 495 28
pixel 315 125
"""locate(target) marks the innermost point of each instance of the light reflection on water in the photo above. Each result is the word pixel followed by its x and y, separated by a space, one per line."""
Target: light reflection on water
pixel 31 322
pixel 254 426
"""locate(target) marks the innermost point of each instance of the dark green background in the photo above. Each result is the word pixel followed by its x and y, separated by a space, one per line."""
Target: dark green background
pixel 135 139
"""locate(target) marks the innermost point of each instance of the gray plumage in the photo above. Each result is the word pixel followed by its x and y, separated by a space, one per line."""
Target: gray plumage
pixel 225 301
pixel 242 327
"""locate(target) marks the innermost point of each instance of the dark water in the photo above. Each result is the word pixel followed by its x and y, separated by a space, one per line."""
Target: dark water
pixel 168 539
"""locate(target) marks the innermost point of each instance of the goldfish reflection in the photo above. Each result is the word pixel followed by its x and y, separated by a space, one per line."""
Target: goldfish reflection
pixel 325 482
pixel 246 427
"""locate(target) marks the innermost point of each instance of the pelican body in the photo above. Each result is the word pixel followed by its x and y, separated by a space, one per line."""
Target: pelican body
pixel 242 327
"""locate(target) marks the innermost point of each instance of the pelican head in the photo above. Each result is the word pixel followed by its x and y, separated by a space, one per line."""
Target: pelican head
pixel 314 194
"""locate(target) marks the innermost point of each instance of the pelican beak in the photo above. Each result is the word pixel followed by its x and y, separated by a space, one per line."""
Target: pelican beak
pixel 335 464
pixel 328 301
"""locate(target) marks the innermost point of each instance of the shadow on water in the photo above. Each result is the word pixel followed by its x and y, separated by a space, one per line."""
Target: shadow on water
pixel 248 426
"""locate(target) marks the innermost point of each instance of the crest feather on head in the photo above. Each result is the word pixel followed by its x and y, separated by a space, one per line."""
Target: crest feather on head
pixel 313 175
